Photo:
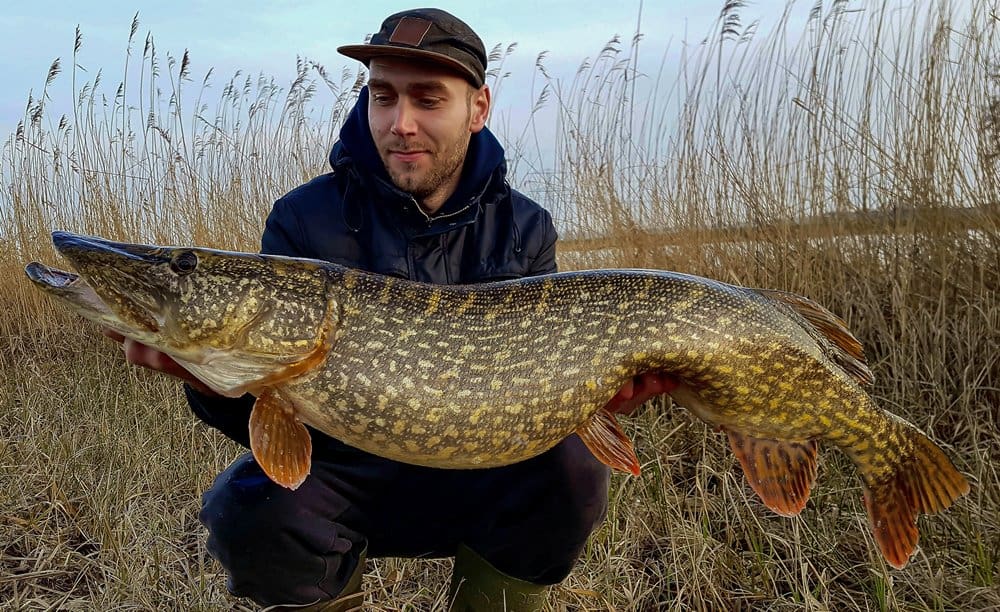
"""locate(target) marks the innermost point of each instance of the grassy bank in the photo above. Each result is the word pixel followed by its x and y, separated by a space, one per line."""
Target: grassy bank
pixel 885 110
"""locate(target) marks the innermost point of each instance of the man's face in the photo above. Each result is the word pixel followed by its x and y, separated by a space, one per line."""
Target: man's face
pixel 421 118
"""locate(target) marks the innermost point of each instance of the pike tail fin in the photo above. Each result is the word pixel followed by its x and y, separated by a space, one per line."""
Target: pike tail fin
pixel 924 482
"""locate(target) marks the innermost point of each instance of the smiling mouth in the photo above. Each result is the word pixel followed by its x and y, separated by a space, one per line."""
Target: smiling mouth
pixel 407 155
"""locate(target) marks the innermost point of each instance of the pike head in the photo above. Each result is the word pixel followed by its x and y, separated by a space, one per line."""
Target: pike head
pixel 237 321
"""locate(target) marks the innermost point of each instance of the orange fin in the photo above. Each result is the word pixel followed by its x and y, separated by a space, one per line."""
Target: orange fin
pixel 782 472
pixel 844 348
pixel 604 437
pixel 281 444
pixel 925 482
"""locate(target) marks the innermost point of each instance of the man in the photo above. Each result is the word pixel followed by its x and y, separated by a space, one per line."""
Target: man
pixel 418 190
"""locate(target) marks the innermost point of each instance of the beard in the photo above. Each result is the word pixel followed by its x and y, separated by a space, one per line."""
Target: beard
pixel 445 164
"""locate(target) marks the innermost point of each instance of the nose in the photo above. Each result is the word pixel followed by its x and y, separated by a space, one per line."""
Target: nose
pixel 404 122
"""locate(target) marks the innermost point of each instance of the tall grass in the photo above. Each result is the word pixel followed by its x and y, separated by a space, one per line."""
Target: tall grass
pixel 755 155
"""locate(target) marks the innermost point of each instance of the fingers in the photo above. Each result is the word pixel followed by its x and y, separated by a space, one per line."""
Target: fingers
pixel 139 354
pixel 640 389
pixel 110 333
pixel 628 390
pixel 655 383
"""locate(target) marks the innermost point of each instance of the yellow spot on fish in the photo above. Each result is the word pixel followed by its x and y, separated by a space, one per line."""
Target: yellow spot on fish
pixel 432 302
pixel 514 409
pixel 477 414
pixel 466 304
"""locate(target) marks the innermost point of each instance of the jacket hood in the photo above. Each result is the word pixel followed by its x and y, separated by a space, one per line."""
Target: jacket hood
pixel 484 158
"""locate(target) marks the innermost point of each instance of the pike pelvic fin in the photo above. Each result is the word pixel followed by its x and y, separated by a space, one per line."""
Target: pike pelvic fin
pixel 781 472
pixel 281 444
pixel 925 482
pixel 846 350
pixel 604 437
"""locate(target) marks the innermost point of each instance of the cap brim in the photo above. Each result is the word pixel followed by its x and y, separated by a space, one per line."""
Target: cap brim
pixel 365 53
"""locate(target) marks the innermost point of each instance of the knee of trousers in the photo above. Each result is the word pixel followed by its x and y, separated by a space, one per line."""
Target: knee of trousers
pixel 278 546
pixel 545 514
pixel 581 483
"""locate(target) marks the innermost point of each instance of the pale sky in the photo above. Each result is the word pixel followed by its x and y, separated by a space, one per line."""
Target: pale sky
pixel 255 36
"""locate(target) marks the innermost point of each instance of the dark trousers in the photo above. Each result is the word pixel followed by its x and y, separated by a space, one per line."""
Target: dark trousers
pixel 530 520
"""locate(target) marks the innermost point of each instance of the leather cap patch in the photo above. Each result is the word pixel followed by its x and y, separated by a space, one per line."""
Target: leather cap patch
pixel 410 31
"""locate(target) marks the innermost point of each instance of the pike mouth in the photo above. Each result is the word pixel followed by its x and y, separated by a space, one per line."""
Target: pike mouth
pixel 72 288
pixel 53 278
pixel 68 286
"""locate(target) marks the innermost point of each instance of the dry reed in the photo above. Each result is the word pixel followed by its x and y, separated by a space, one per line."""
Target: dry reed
pixel 754 167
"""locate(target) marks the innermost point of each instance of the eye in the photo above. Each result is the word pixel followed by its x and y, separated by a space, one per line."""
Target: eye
pixel 184 263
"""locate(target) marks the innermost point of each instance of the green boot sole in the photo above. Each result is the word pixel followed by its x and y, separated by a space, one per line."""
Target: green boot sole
pixel 477 586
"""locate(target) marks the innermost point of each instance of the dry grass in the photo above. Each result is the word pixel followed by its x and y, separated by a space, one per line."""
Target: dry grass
pixel 882 111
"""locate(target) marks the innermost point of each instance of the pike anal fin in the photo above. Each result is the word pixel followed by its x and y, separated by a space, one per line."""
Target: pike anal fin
pixel 781 472
pixel 604 437
pixel 281 444
pixel 925 482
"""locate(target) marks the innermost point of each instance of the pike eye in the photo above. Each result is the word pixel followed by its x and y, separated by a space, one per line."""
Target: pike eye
pixel 184 263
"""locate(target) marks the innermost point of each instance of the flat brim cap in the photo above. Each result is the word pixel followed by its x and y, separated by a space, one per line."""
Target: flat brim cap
pixel 429 35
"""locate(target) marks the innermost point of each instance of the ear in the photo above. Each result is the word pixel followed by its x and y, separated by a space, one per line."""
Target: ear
pixel 480 105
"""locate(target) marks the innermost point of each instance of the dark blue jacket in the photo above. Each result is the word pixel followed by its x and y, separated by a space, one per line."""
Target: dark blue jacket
pixel 356 217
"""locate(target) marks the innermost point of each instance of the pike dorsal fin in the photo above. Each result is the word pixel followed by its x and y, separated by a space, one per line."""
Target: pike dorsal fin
pixel 847 351
pixel 280 443
pixel 605 438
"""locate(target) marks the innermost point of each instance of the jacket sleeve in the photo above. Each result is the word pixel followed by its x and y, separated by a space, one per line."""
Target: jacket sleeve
pixel 545 261
pixel 231 416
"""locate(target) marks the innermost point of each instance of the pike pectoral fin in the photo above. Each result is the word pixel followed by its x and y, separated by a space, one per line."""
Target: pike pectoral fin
pixel 604 437
pixel 782 472
pixel 281 444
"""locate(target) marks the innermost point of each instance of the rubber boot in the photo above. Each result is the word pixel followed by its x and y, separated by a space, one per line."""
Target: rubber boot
pixel 350 598
pixel 477 586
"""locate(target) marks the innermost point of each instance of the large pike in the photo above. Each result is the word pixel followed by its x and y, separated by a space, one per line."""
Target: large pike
pixel 491 374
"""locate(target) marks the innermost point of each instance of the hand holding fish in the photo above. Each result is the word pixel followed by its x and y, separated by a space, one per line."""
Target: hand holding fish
pixel 639 389
pixel 148 357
